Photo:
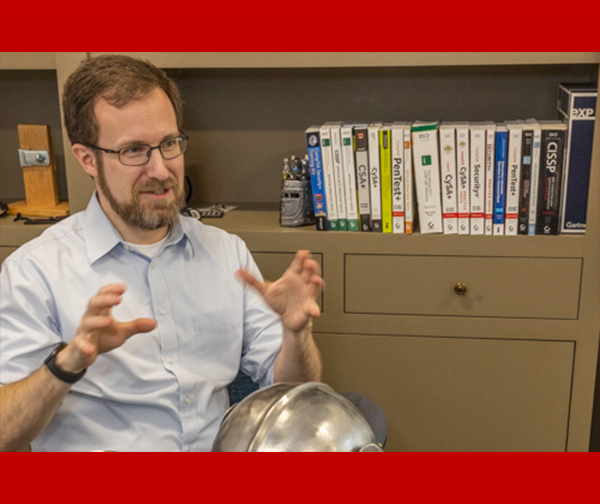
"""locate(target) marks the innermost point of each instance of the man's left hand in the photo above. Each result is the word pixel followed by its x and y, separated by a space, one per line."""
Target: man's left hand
pixel 293 295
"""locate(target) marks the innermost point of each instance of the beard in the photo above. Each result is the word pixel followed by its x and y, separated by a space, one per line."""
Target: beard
pixel 147 215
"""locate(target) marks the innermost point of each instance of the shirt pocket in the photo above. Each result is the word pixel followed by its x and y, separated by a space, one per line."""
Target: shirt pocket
pixel 218 345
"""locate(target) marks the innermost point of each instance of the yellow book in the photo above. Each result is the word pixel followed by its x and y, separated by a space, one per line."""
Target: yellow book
pixel 385 152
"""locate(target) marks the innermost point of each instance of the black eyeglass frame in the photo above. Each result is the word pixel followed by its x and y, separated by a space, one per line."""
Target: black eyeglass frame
pixel 181 137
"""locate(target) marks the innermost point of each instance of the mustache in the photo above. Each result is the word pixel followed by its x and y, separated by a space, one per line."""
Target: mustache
pixel 157 185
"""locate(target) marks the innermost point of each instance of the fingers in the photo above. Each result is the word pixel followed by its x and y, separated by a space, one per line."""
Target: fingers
pixel 107 297
pixel 313 310
pixel 246 278
pixel 140 325
pixel 89 324
pixel 297 265
pixel 115 287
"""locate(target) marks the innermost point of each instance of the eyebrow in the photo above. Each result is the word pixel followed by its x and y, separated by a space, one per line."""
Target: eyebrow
pixel 140 142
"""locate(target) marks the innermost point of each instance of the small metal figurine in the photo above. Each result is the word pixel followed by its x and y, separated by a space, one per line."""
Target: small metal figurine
pixel 296 194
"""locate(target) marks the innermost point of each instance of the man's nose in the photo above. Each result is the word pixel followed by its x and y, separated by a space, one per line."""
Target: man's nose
pixel 156 166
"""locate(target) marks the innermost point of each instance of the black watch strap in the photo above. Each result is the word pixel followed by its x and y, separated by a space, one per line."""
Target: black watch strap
pixel 59 373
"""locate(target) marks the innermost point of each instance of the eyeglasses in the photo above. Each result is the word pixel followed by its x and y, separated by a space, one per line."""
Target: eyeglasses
pixel 137 155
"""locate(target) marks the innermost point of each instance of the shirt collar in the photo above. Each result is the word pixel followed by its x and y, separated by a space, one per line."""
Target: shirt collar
pixel 101 236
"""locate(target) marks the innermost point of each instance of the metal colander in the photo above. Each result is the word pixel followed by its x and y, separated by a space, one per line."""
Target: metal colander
pixel 289 417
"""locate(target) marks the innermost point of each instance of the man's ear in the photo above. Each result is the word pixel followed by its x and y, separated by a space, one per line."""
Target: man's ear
pixel 86 159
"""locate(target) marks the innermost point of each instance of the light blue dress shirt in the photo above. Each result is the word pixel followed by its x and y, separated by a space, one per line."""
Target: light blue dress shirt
pixel 161 391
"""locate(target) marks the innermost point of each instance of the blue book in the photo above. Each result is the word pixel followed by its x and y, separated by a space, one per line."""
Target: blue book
pixel 315 164
pixel 577 109
pixel 500 178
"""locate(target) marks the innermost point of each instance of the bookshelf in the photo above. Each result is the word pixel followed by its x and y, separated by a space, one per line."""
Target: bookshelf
pixel 511 365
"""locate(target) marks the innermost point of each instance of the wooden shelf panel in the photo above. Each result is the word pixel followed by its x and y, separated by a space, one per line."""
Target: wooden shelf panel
pixel 27 61
pixel 260 228
pixel 312 60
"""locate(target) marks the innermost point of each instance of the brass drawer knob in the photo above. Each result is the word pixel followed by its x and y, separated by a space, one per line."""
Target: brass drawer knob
pixel 460 288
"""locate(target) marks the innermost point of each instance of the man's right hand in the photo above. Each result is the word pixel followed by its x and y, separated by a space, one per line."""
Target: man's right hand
pixel 99 332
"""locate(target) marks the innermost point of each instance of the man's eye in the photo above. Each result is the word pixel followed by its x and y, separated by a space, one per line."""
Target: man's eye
pixel 134 150
pixel 169 144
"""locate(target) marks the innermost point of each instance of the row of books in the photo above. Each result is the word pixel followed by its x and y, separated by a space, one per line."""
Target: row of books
pixel 480 178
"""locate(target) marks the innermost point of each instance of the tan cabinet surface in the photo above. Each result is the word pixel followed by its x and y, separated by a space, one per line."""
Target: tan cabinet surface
pixel 510 287
pixel 453 394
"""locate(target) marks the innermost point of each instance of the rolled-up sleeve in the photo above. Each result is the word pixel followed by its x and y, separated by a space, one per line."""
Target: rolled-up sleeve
pixel 262 328
pixel 28 322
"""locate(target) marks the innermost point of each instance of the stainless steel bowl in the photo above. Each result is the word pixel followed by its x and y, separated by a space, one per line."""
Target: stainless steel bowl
pixel 289 417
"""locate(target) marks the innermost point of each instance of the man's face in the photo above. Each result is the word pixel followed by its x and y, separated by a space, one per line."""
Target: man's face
pixel 145 197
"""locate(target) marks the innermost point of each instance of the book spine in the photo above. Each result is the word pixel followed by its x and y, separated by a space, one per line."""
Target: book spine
pixel 535 180
pixel 578 160
pixel 409 194
pixel 340 189
pixel 500 181
pixel 386 179
pixel 513 167
pixel 330 193
pixel 448 180
pixel 525 185
pixel 490 136
pixel 350 179
pixel 361 147
pixel 427 180
pixel 375 178
pixel 551 167
pixel 315 165
pixel 397 179
pixel 477 181
pixel 462 176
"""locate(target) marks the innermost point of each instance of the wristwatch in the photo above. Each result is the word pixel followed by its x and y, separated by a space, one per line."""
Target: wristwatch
pixel 59 373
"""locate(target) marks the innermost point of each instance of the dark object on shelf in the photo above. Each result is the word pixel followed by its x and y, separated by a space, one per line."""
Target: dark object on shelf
pixel 296 207
pixel 44 220
pixel 215 211
pixel 211 212
pixel 191 212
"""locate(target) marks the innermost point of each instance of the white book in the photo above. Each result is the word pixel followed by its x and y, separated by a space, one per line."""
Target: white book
pixel 329 177
pixel 409 184
pixel 448 177
pixel 398 177
pixel 427 175
pixel 340 183
pixel 375 176
pixel 349 172
pixel 462 176
pixel 490 141
pixel 535 174
pixel 477 176
pixel 513 177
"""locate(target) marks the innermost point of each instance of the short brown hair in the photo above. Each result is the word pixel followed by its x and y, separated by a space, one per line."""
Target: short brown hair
pixel 117 79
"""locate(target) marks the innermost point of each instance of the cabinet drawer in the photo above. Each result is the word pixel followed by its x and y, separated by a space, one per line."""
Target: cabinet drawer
pixel 456 394
pixel 495 286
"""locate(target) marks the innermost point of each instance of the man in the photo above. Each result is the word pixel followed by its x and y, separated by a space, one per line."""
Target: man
pixel 189 294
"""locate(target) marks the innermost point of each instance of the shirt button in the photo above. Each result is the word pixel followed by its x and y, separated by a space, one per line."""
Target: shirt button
pixel 170 360
pixel 163 312
pixel 188 400
pixel 127 247
pixel 152 265
pixel 189 448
